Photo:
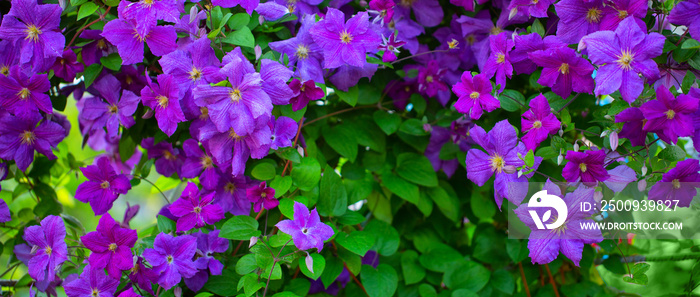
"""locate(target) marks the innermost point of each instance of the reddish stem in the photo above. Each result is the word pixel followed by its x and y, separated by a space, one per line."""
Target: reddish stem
pixel 102 17
pixel 551 280
pixel 522 274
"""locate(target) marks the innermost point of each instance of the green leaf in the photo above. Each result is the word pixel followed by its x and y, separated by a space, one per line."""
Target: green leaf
pixel 467 275
pixel 502 281
pixel 112 62
pixel 48 201
pixel 440 258
pixel 165 225
pixel 350 96
pixel 688 82
pixel 263 171
pixel 413 127
pixel 238 21
pixel 224 284
pixel 482 206
pixel 91 73
pixel 380 282
pixel 386 237
pixel 690 44
pixel 358 242
pixel 517 251
pixel 242 37
pixel 86 10
pixel 289 153
pixel 639 275
pixel 281 185
pixel 306 174
pixel 672 153
pixel 77 3
pixel 530 159
pixel 240 228
pixel 342 139
pixel 401 187
pixel 246 264
pixel 334 267
pixel 388 122
pixel 351 218
pixel 127 148
pixel 333 198
pixel 538 28
pixel 250 284
pixel 413 272
pixel 417 169
pixel 446 202
pixel 511 100
pixel 318 265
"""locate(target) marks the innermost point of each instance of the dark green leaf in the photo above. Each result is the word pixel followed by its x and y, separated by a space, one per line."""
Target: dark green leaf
pixel 672 153
pixel 306 174
pixel 380 282
pixel 388 122
pixel 333 198
pixel 413 272
pixel 112 62
pixel 91 73
pixel 401 187
pixel 240 228
pixel 241 37
pixel 263 171
pixel 358 242
pixel 416 168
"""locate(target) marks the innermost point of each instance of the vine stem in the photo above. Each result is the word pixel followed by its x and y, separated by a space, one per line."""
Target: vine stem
pixel 154 185
pixel 102 17
pixel 522 275
pixel 551 280
pixel 274 262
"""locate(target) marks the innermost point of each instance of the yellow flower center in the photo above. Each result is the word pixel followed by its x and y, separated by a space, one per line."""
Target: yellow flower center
pixel 148 3
pixel 195 74
pixel 302 52
pixel 168 155
pixel 497 163
pixel 470 39
pixel 496 30
pixel 5 70
pixel 162 101
pixel 452 44
pixel 625 60
pixel 537 124
pixel 113 109
pixel 622 14
pixel 206 162
pixel 169 259
pixel 500 58
pixel 263 195
pixel 535 1
pixel 291 8
pixel 233 135
pixel 564 68
pixel 406 3
pixel 670 114
pixel 429 78
pixel 135 268
pixel 230 187
pixel 583 167
pixel 197 210
pixel 676 184
pixel 101 44
pixel 345 37
pixel 593 15
pixel 559 230
pixel 204 113
pixel 23 93
pixel 129 80
pixel 235 95
pixel 104 184
pixel 95 293
pixel 32 33
pixel 474 95
pixel 112 247
pixel 27 137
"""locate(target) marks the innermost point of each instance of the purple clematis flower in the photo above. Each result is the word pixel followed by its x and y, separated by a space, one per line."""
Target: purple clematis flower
pixel 111 246
pixel 383 9
pixel 536 9
pixel 146 12
pixel 498 63
pixel 231 194
pixel 275 77
pixel 207 245
pixel 48 246
pixel 103 186
pixel 623 55
pixel 615 12
pixel 283 131
pixel 142 276
pixel 474 95
pixel 569 238
pixel 525 44
pixel 9 56
pixel 67 66
pixel 430 79
pixel 200 164
pixel 671 117
pixel 171 258
pixel 129 293
pixel 345 43
pixel 303 52
pixel 124 34
pixel 248 5
pixel 563 71
pixel 633 127
pixel 686 13
pixel 21 136
pixel 428 12
pixel 390 46
pixel 34 30
pixel 168 160
pixel 262 196
pixel 501 157
pixel 132 78
pixel 306 228
pixel 114 110
pixel 194 211
pixel 98 48
pixel 679 183
pixel 231 150
pixel 5 215
pixel 92 283
pixel 3 172
pixel 538 123
pixel 577 18
pixel 587 167
pixel 194 65
pixel 23 95
pixel 307 91
pixel 164 99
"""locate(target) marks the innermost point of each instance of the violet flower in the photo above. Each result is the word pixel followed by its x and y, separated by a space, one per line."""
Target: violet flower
pixel 146 12
pixel 124 34
pixel 428 12
pixel 303 52
pixel 23 95
pixel 21 136
pixel 231 194
pixel 525 44
pixel 5 215
pixel 103 186
pixel 383 9
pixel 194 65
pixel 168 160
pixel 307 91
pixel 587 167
pixel 536 9
pixel 498 63
pixel 248 5
pixel 390 46
pixel 283 131
pixel 207 245
pixel 171 258
pixel 577 18
pixel 129 293
pixel 111 246
pixel 262 196
pixel 48 246
pixel 9 56
pixel 671 117
pixel 306 228
pixel 115 110
pixel 194 211
pixel 538 123
pixel 633 127
pixel 142 276
pixel 686 13
pixel 430 79
pixel 164 99
pixel 67 66
pixel 563 71
pixel 615 12
pixel 274 80
pixel 98 48
pixel 474 95
pixel 200 164
pixel 231 150
pixel 344 43
pixel 680 183
pixel 92 283
pixel 623 55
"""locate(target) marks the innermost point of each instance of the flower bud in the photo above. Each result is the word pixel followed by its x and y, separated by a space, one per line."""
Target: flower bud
pixel 576 146
pixel 642 185
pixel 509 169
pixel 363 3
pixel 258 52
pixel 253 241
pixel 148 114
pixel 177 292
pixel 561 132
pixel 427 128
pixel 513 12
pixel 261 20
pixel 605 133
pixel 193 13
pixel 597 196
pixel 520 173
pixel 644 170
pixel 614 140
pixel 309 263
pixel 560 159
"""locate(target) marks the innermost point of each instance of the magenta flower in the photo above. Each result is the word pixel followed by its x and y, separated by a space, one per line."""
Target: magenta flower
pixel 248 5
pixel 207 245
pixel 283 131
pixel 111 246
pixel 168 159
pixel 48 248
pixel 536 9
pixel 92 283
pixel 99 47
pixel 5 215
pixel 344 43
pixel 124 34
pixel 587 167
pixel 231 194
pixel 306 228
pixel 679 183
pixel 164 99
pixel 686 13
pixel 670 117
pixel 129 293
pixel 194 211
pixel 577 18
pixel 390 46
pixel 113 110
pixel 569 238
pixel 171 258
pixel 307 91
pixel 23 95
pixel 103 186
pixel 615 12
pixel 633 127
pixel 538 123
pixel 21 136
pixel 498 63
pixel 525 44
pixel 142 276
pixel 430 79
pixel 383 9
pixel 623 55
pixel 67 66
pixel 200 164
pixel 262 196
pixel 34 30
pixel 563 71
pixel 146 12
pixel 474 95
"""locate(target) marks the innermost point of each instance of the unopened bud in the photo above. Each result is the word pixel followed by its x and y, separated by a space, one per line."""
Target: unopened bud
pixel 261 20
pixel 642 185
pixel 597 196
pixel 509 169
pixel 193 13
pixel 561 132
pixel 309 263
pixel 427 128
pixel 513 13
pixel 608 117
pixel 363 3
pixel 605 133
pixel 253 241
pixel 614 140
pixel 258 52
pixel 560 159
pixel 598 218
pixel 644 170
pixel 148 114
pixel 520 173
pixel 177 292
pixel 576 146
